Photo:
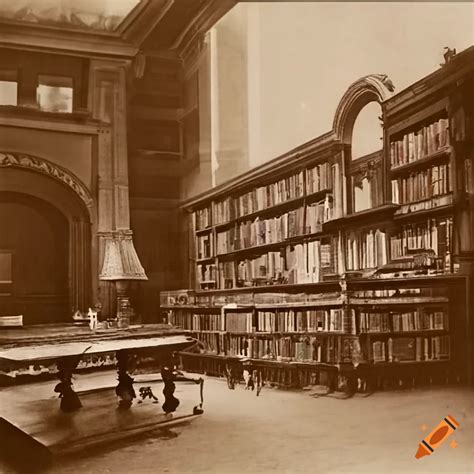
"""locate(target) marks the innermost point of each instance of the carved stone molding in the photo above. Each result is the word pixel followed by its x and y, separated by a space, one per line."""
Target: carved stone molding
pixel 374 87
pixel 20 160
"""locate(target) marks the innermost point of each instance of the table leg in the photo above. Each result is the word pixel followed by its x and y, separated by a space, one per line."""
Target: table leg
pixel 69 398
pixel 124 390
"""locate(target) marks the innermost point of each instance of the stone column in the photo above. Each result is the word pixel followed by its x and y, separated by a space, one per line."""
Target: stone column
pixel 107 101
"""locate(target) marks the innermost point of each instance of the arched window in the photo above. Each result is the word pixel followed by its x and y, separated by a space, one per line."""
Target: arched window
pixel 366 155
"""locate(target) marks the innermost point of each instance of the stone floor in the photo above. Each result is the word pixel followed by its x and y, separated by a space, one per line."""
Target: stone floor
pixel 292 432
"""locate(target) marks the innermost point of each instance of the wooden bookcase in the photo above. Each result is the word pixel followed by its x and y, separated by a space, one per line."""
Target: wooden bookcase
pixel 290 278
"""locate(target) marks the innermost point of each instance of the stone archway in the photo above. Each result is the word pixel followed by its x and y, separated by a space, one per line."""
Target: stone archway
pixel 42 180
pixel 375 87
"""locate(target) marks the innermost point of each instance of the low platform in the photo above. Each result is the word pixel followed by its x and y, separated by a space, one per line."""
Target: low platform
pixel 37 430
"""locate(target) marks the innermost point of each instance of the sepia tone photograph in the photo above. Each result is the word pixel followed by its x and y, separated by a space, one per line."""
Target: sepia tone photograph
pixel 236 237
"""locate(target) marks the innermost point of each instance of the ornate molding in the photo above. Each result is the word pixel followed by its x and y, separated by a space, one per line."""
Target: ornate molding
pixel 374 87
pixel 20 160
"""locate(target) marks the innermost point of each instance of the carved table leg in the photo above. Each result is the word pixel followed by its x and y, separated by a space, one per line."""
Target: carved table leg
pixel 171 402
pixel 69 398
pixel 124 390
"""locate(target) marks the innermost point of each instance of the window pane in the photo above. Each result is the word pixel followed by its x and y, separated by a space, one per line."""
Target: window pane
pixel 8 93
pixel 367 133
pixel 5 267
pixel 362 195
pixel 54 94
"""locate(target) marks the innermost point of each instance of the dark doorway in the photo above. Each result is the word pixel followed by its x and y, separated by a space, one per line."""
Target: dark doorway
pixel 34 243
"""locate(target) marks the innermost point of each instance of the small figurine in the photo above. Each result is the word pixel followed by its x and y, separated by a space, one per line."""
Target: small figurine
pixel 448 55
pixel 92 319
pixel 146 392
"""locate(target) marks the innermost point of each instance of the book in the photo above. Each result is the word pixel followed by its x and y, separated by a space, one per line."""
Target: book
pixel 415 145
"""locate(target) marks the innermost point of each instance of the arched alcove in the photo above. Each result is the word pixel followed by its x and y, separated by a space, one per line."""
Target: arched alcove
pixel 357 124
pixel 59 204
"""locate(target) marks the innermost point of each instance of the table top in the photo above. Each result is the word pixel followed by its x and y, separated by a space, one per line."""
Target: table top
pixel 64 349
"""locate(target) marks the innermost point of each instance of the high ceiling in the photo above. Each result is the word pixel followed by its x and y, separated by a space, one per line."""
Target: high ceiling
pixel 96 15
pixel 112 27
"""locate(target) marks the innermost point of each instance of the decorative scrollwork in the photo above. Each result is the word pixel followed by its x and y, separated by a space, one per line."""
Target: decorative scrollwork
pixel 41 165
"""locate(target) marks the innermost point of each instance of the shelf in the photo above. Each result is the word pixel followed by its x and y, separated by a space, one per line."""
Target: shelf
pixel 422 162
pixel 301 287
pixel 372 216
pixel 269 333
pixel 272 362
pixel 389 301
pixel 262 212
pixel 205 260
pixel 276 209
pixel 307 304
pixel 195 307
pixel 203 231
pixel 443 209
pixel 258 249
pixel 419 332
pixel 409 362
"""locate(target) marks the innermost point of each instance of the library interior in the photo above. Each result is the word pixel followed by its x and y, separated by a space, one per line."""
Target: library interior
pixel 184 211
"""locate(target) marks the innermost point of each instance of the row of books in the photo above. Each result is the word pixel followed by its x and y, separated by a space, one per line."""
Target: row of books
pixel 317 214
pixel 260 232
pixel 260 198
pixel 269 268
pixel 204 246
pixel 366 249
pixel 417 145
pixel 302 263
pixel 206 273
pixel 318 178
pixel 420 319
pixel 309 261
pixel 289 348
pixel 411 349
pixel 300 321
pixel 197 321
pixel 400 292
pixel 239 322
pixel 421 185
pixel 171 298
pixel 202 218
pixel 433 234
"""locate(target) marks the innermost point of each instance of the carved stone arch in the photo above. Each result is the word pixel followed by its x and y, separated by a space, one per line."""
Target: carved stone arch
pixel 372 88
pixel 44 180
pixel 34 163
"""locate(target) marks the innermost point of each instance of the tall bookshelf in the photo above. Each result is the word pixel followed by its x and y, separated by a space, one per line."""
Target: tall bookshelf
pixel 287 276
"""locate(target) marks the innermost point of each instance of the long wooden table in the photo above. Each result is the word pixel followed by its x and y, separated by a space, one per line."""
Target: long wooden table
pixel 63 436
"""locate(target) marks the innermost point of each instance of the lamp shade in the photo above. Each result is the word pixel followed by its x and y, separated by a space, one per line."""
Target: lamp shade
pixel 121 261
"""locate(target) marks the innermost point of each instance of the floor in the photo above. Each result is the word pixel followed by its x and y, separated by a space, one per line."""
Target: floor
pixel 293 432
